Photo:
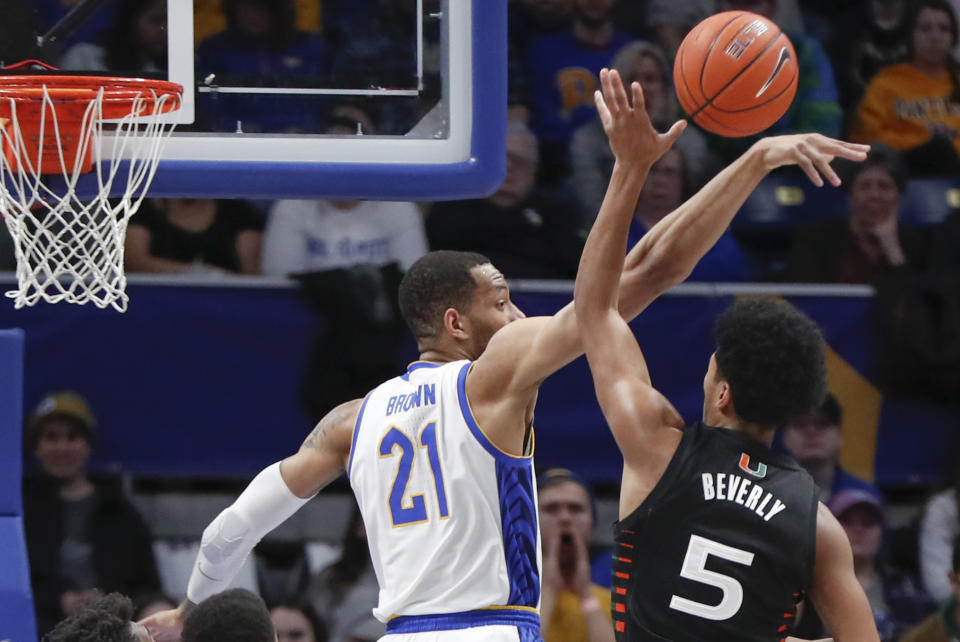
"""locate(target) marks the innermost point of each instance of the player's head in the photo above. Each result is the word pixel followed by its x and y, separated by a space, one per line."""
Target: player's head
pixel 106 620
pixel 455 301
pixel 815 437
pixel 768 367
pixel 236 615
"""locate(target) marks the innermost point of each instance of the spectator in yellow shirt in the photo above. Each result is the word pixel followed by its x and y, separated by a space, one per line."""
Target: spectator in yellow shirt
pixel 914 107
pixel 572 608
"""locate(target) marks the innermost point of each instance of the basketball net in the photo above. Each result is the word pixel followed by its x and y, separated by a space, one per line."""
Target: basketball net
pixel 70 245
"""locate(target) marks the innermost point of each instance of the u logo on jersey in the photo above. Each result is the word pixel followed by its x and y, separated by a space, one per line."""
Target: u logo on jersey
pixel 760 471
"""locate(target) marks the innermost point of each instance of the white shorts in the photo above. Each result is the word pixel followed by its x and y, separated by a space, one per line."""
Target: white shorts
pixel 497 633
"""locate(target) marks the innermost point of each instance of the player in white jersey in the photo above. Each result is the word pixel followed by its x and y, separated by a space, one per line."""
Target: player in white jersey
pixel 440 459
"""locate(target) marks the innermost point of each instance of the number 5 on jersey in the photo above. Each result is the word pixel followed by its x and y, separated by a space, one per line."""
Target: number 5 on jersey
pixel 694 568
pixel 415 511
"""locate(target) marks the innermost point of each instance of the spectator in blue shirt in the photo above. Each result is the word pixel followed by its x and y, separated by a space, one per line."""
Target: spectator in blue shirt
pixel 262 47
pixel 668 184
pixel 563 70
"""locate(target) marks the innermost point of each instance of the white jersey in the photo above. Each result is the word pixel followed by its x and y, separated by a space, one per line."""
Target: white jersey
pixel 451 520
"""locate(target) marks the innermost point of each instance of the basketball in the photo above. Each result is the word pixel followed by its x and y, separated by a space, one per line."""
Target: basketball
pixel 736 73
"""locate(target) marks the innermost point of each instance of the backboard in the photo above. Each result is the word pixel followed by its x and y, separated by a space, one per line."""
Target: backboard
pixel 272 90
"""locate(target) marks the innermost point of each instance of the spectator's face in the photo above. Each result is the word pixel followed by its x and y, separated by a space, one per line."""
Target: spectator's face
pixel 62 449
pixel 864 529
pixel 874 197
pixel 663 191
pixel 762 7
pixel 565 510
pixel 812 440
pixel 152 28
pixel 522 166
pixel 254 18
pixel 888 14
pixel 291 625
pixel 648 73
pixel 593 13
pixel 932 37
pixel 550 10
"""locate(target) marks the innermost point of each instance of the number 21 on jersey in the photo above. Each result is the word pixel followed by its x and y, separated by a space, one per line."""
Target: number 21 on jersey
pixel 415 511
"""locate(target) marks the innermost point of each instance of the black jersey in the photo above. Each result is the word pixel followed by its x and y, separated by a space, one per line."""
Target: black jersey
pixel 721 549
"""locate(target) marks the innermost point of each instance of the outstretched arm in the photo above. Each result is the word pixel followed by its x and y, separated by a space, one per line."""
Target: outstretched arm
pixel 268 501
pixel 667 254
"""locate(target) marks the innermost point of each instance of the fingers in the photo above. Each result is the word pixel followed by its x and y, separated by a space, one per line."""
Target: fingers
pixel 674 132
pixel 823 164
pixel 602 108
pixel 806 164
pixel 620 94
pixel 609 95
pixel 638 101
pixel 841 148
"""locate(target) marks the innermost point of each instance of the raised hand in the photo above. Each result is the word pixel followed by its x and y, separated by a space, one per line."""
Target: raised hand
pixel 165 626
pixel 632 136
pixel 812 152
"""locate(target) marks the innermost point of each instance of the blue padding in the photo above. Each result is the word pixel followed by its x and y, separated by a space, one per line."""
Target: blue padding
pixel 16 601
pixel 11 422
pixel 780 201
pixel 929 201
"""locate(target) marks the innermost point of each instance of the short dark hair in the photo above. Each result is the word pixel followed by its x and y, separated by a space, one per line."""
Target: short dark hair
pixel 106 620
pixel 437 281
pixel 830 410
pixel 881 156
pixel 320 632
pixel 236 615
pixel 773 357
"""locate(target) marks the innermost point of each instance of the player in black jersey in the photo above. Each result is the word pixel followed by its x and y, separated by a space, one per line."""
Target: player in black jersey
pixel 719 536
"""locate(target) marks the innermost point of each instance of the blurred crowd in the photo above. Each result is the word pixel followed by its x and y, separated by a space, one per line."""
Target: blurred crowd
pixel 879 71
pixel 86 539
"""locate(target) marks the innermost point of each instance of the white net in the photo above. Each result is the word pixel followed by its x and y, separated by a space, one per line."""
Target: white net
pixel 69 233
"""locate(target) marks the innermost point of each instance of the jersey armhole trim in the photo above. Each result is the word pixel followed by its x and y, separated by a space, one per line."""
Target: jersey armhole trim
pixel 356 433
pixel 471 421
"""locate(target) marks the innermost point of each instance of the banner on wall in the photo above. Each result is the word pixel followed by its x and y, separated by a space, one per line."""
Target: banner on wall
pixel 204 380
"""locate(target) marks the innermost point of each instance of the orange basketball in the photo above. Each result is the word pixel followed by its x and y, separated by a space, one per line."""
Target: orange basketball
pixel 736 73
